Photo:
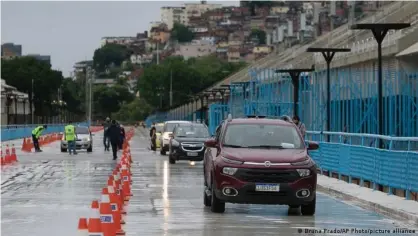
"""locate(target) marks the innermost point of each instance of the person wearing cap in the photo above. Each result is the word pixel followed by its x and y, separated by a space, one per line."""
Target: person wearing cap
pixel 70 136
pixel 36 133
pixel 113 133
pixel 106 125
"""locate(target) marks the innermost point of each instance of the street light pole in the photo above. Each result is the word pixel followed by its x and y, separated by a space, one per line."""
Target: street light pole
pixel 171 87
pixel 379 31
pixel 328 54
pixel 294 75
pixel 31 104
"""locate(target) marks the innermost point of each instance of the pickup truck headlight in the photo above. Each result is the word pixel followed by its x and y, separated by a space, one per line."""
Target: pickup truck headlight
pixel 86 139
pixel 303 172
pixel 301 163
pixel 229 170
pixel 227 160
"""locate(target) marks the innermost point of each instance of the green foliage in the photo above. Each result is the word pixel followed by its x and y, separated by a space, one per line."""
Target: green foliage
pixel 189 77
pixel 19 72
pixel 259 34
pixel 109 54
pixel 137 110
pixel 109 100
pixel 71 94
pixel 181 33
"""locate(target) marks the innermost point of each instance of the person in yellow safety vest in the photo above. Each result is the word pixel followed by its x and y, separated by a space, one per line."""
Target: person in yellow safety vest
pixel 36 133
pixel 70 137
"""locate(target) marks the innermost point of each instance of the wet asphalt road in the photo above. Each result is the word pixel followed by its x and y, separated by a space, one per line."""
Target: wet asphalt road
pixel 47 192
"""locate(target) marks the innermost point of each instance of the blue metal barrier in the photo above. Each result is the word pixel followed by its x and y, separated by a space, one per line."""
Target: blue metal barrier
pixel 22 131
pixel 394 167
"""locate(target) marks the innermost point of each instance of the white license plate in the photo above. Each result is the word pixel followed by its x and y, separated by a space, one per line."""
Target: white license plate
pixel 192 154
pixel 267 187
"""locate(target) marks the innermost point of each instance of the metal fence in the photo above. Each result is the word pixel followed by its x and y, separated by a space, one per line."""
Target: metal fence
pixel 395 167
pixel 11 132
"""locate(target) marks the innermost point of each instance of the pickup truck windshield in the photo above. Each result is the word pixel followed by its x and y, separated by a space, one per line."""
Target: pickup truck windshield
pixel 263 136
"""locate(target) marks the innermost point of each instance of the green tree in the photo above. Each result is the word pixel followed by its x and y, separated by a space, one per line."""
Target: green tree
pixel 189 77
pixel 22 72
pixel 109 100
pixel 181 33
pixel 71 95
pixel 110 54
pixel 259 34
pixel 136 110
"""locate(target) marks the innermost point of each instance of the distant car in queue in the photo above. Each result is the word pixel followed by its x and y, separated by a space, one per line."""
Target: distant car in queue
pixel 159 130
pixel 259 161
pixel 167 130
pixel 188 142
pixel 84 139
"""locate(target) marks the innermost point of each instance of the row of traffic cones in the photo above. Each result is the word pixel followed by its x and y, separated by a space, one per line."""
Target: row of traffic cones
pixel 43 140
pixel 107 215
pixel 10 156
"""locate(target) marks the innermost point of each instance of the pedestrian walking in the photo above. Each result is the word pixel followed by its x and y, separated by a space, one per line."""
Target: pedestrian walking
pixel 70 136
pixel 300 125
pixel 36 133
pixel 113 133
pixel 106 125
pixel 122 136
pixel 153 136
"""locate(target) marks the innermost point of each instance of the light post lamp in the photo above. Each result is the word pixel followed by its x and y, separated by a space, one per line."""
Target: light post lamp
pixel 328 54
pixel 294 75
pixel 379 31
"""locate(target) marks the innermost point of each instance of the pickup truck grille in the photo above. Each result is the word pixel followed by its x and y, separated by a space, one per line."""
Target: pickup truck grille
pixel 267 175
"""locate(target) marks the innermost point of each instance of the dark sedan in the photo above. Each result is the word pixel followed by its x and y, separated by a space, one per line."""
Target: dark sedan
pixel 187 142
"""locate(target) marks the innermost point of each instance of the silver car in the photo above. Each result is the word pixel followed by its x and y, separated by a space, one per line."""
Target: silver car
pixel 84 139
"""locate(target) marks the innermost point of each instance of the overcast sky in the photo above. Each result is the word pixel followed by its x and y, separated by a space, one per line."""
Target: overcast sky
pixel 71 31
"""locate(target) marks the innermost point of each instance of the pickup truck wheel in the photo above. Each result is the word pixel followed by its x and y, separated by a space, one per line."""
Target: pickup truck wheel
pixel 171 160
pixel 217 205
pixel 162 151
pixel 309 209
pixel 63 150
pixel 90 149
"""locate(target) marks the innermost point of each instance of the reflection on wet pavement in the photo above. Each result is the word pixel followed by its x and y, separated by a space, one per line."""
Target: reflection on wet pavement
pixel 47 193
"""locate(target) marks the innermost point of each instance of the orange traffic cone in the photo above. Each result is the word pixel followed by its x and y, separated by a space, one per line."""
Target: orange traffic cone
pixel 7 159
pixel 82 227
pixel 117 202
pixel 107 220
pixel 13 157
pixel 106 198
pixel 94 209
pixel 95 227
pixel 2 158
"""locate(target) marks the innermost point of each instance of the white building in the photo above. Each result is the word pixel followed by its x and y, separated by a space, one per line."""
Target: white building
pixel 197 9
pixel 141 59
pixel 15 107
pixel 171 15
pixel 195 49
pixel 118 40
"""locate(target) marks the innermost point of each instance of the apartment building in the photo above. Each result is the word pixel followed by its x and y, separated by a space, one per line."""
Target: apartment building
pixel 121 40
pixel 197 9
pixel 11 50
pixel 197 48
pixel 160 33
pixel 171 15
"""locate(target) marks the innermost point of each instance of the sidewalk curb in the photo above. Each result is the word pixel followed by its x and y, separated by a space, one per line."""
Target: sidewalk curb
pixel 376 207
